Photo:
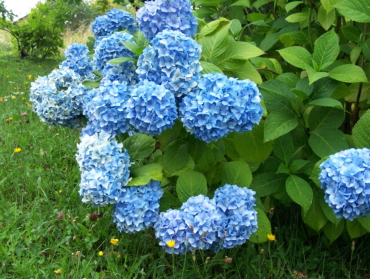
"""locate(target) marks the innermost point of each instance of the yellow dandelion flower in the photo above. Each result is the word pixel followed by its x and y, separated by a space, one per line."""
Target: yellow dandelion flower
pixel 26 82
pixel 58 271
pixel 7 76
pixel 77 253
pixel 171 243
pixel 28 105
pixel 9 119
pixel 39 66
pixel 23 98
pixel 57 134
pixel 100 253
pixel 271 237
pixel 29 76
pixel 17 150
pixel 14 98
pixel 60 191
pixel 114 241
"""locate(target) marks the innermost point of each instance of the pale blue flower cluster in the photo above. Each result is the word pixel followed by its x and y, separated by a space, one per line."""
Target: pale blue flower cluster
pixel 171 225
pixel 105 108
pixel 151 108
pixel 219 106
pixel 58 98
pixel 104 168
pixel 123 73
pixel 78 61
pixel 159 15
pixel 345 177
pixel 235 205
pixel 223 222
pixel 109 48
pixel 138 207
pixel 173 61
pixel 114 20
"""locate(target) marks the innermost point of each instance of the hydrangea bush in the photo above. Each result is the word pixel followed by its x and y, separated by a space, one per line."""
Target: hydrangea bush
pixel 179 139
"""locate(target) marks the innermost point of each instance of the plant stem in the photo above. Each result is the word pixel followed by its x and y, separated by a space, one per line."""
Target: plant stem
pixel 357 109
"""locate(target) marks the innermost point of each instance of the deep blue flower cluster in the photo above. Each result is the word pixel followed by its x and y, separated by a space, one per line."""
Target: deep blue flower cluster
pixel 219 106
pixel 123 73
pixel 151 108
pixel 114 20
pixel 109 48
pixel 104 169
pixel 235 205
pixel 345 177
pixel 78 61
pixel 138 207
pixel 159 15
pixel 223 222
pixel 58 98
pixel 105 108
pixel 173 61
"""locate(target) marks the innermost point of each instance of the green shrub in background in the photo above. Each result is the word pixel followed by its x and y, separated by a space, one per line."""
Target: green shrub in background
pixel 41 33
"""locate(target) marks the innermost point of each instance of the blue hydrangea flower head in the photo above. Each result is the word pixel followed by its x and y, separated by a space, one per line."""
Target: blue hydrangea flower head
pixel 105 108
pixel 104 168
pixel 78 61
pixel 345 178
pixel 58 98
pixel 171 225
pixel 235 205
pixel 123 73
pixel 151 108
pixel 114 20
pixel 219 106
pixel 172 60
pixel 201 216
pixel 138 207
pixel 109 48
pixel 173 15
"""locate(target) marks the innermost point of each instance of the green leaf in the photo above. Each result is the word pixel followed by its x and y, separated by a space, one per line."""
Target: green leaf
pixel 284 148
pixel 247 71
pixel 300 191
pixel 365 222
pixel 325 18
pixel 314 217
pixel 267 183
pixel 250 145
pixel 242 3
pixel 131 46
pixel 91 84
pixel 209 68
pixel 333 231
pixel 277 96
pixel 328 211
pixel 292 5
pixel 121 60
pixel 328 4
pixel 348 73
pixel 297 17
pixel 211 27
pixel 264 228
pixel 288 78
pixel 361 131
pixel 301 37
pixel 207 160
pixel 358 10
pixel 196 148
pixel 235 27
pixel 355 229
pixel 327 141
pixel 239 51
pixel 279 123
pixel 170 135
pixel 203 12
pixel 297 164
pixel 316 171
pixel 190 184
pixel 351 33
pixel 139 146
pixel 297 56
pixel 313 75
pixel 176 157
pixel 326 49
pixel 327 102
pixel 168 201
pixel 325 117
pixel 366 49
pixel 188 166
pixel 142 175
pixel 215 44
pixel 236 173
pixel 269 41
pixel 355 54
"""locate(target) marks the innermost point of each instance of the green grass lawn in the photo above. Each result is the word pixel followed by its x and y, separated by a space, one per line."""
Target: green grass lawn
pixel 47 232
